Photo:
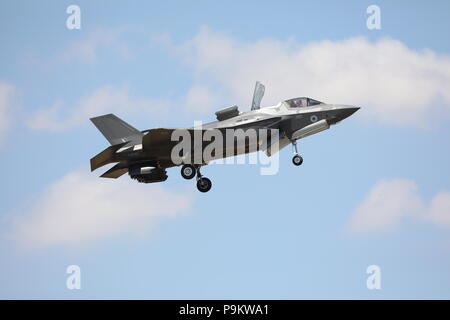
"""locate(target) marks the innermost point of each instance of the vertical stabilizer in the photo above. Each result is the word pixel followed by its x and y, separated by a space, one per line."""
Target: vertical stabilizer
pixel 116 130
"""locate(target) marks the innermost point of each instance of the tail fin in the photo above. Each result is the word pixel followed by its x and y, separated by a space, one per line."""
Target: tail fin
pixel 116 130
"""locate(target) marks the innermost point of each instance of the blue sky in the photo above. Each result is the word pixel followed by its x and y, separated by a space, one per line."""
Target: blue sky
pixel 373 190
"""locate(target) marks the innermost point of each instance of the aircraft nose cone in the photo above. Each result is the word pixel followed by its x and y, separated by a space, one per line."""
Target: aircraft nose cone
pixel 343 113
pixel 352 110
pixel 347 112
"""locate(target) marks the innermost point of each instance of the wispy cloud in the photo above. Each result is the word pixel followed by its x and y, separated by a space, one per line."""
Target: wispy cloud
pixel 80 209
pixel 106 99
pixel 7 108
pixel 88 46
pixel 390 202
pixel 395 84
pixel 439 209
pixel 200 99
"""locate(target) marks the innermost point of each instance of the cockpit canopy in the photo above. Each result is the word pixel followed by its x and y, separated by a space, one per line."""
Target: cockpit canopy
pixel 302 102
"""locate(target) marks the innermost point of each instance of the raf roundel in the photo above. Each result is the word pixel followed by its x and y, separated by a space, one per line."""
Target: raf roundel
pixel 313 118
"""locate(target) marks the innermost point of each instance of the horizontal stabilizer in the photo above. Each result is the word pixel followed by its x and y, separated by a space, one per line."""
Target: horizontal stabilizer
pixel 116 171
pixel 106 156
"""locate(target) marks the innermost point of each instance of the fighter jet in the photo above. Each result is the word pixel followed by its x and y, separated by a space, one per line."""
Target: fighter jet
pixel 145 155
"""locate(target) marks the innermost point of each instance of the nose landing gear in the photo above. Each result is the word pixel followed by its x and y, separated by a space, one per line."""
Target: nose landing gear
pixel 297 159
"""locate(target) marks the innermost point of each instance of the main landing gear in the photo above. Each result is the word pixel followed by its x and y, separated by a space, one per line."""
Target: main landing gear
pixel 188 171
pixel 297 159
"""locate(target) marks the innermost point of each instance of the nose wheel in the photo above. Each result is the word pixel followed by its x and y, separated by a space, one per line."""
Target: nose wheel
pixel 297 159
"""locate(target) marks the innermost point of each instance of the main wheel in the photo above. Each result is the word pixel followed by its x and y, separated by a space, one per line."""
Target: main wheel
pixel 297 160
pixel 188 171
pixel 204 184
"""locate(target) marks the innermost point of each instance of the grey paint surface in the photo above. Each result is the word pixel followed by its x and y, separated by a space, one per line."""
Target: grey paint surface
pixel 294 118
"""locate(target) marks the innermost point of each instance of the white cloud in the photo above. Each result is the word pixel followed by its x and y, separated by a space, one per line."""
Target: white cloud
pixel 387 203
pixel 107 99
pixel 86 49
pixel 439 211
pixel 200 98
pixel 81 208
pixel 7 92
pixel 391 202
pixel 393 83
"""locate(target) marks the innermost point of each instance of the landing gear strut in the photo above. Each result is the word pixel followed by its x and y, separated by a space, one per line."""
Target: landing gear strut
pixel 203 183
pixel 297 159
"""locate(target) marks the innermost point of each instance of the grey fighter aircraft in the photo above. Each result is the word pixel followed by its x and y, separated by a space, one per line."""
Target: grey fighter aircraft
pixel 146 155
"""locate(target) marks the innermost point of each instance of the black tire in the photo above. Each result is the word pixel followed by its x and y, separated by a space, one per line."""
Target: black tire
pixel 297 160
pixel 188 171
pixel 204 184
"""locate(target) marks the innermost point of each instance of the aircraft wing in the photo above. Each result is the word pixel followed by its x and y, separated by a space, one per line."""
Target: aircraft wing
pixel 274 147
pixel 159 141
pixel 158 138
pixel 262 123
pixel 161 137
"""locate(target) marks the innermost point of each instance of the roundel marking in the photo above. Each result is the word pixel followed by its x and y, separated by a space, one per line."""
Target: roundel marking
pixel 313 118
